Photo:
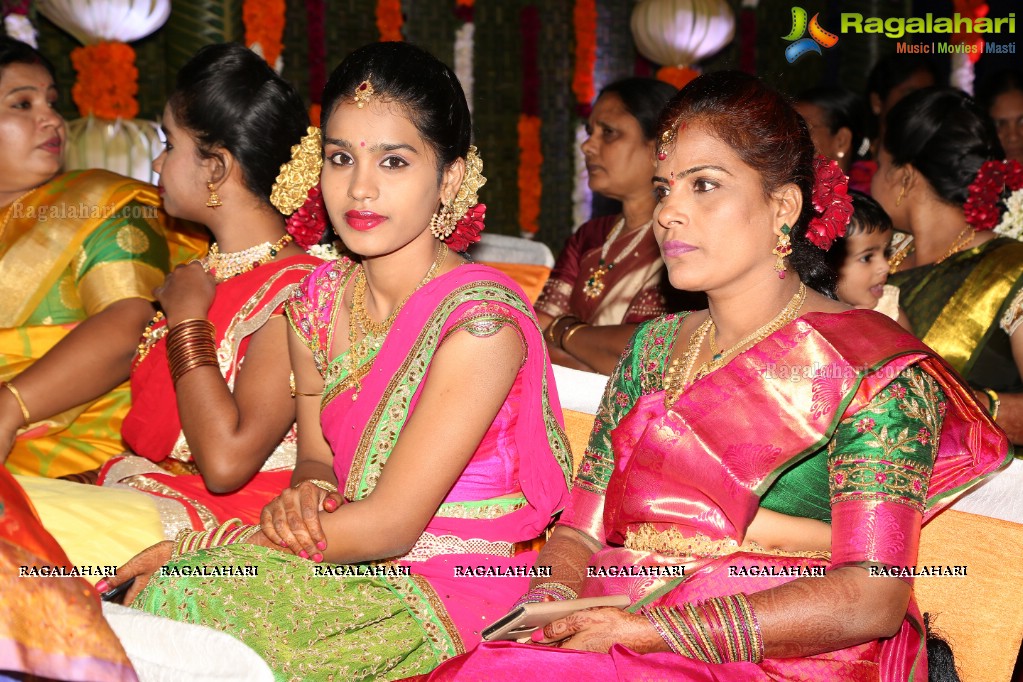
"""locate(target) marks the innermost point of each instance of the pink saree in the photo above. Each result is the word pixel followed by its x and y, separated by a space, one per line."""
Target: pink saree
pixel 685 482
pixel 514 483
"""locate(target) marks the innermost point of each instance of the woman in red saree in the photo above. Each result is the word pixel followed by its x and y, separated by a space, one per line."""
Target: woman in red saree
pixel 781 447
pixel 211 424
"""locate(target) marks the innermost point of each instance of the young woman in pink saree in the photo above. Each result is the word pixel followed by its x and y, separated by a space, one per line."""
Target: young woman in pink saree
pixel 430 437
pixel 781 447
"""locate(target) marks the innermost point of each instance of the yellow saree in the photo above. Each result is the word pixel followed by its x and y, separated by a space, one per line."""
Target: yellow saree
pixel 69 249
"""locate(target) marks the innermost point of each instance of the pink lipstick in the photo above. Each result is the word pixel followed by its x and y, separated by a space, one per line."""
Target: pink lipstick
pixel 52 145
pixel 674 248
pixel 363 220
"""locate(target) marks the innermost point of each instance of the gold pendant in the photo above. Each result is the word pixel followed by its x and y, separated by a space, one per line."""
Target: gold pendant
pixel 594 286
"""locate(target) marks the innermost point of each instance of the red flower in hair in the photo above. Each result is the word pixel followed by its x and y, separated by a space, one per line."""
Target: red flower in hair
pixel 832 203
pixel 984 203
pixel 467 230
pixel 306 225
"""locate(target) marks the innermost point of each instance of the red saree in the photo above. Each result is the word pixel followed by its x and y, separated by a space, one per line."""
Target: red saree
pixel 51 627
pixel 162 464
pixel 685 482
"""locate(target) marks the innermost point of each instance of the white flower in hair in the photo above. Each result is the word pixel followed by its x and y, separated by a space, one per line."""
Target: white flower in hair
pixel 1011 224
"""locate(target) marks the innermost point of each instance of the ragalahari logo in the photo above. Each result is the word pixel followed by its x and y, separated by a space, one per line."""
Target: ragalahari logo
pixel 818 36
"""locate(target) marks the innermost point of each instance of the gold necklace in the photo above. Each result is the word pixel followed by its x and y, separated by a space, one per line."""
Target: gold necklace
pixel 10 210
pixel 594 286
pixel 374 333
pixel 224 266
pixel 964 238
pixel 678 372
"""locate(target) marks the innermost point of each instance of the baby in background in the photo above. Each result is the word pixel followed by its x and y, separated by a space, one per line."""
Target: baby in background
pixel 861 261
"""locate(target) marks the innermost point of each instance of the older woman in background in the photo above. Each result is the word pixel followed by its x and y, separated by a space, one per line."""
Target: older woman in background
pixel 80 253
pixel 836 119
pixel 1002 97
pixel 609 276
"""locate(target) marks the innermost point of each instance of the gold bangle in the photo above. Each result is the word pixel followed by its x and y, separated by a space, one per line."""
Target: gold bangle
pixel 568 334
pixel 295 392
pixel 21 402
pixel 993 405
pixel 549 332
pixel 321 484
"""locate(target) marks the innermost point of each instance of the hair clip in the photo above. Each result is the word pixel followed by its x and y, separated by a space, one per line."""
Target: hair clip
pixel 363 93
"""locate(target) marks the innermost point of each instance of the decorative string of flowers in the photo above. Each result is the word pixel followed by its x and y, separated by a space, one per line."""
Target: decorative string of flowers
pixel 678 76
pixel 389 19
pixel 584 19
pixel 530 154
pixel 16 22
pixel 264 28
pixel 995 199
pixel 832 203
pixel 107 80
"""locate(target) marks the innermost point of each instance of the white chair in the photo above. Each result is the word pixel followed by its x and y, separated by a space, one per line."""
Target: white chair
pixel 502 248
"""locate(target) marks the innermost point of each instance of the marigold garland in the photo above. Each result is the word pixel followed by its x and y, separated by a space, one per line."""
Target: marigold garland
pixel 264 24
pixel 389 19
pixel 107 80
pixel 678 76
pixel 530 162
pixel 584 18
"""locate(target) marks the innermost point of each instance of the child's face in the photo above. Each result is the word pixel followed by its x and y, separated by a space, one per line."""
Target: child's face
pixel 865 270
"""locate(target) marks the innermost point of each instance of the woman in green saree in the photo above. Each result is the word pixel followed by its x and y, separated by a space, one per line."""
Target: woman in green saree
pixel 941 179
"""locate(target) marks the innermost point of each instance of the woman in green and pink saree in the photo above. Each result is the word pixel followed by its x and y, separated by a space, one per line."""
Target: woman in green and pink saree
pixel 425 398
pixel 781 448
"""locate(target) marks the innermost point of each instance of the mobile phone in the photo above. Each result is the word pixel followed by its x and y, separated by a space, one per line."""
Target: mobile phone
pixel 520 622
pixel 117 594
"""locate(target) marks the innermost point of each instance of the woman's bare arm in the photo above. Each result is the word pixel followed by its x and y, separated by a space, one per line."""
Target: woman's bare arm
pixel 91 360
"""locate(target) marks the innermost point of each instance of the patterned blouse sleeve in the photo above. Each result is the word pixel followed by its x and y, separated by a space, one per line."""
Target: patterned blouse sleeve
pixel 879 465
pixel 125 257
pixel 586 509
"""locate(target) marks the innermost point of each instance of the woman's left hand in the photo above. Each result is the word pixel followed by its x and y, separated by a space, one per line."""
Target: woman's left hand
pixel 186 293
pixel 601 628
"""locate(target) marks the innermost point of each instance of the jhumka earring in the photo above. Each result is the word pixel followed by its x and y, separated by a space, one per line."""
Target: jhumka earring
pixel 214 200
pixel 782 250
pixel 442 223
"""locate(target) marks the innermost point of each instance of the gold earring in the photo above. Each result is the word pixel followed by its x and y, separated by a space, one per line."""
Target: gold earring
pixel 782 249
pixel 214 200
pixel 442 223
pixel 898 202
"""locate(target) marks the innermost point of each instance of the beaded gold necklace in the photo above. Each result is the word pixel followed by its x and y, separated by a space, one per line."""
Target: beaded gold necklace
pixel 374 333
pixel 224 266
pixel 677 376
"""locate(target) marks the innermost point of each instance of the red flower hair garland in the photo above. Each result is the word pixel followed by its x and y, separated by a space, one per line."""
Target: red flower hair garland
pixel 832 203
